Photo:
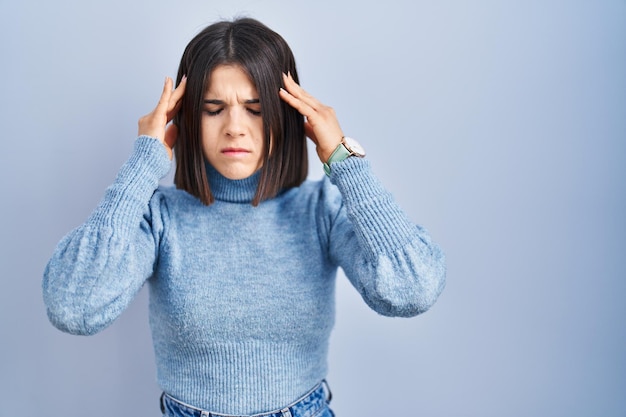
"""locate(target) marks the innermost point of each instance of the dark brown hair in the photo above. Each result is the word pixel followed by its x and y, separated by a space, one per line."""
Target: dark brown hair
pixel 264 55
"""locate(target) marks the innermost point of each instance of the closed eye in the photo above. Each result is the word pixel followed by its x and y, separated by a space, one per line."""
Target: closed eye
pixel 213 112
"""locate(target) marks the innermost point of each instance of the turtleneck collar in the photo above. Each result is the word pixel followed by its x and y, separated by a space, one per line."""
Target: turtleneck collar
pixel 232 191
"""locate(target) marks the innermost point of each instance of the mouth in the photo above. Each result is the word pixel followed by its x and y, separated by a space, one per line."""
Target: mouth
pixel 235 151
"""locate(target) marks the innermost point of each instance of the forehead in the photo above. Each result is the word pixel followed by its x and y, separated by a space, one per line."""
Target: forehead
pixel 230 81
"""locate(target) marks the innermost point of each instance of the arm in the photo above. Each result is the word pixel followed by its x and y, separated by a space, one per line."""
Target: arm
pixel 391 262
pixel 98 268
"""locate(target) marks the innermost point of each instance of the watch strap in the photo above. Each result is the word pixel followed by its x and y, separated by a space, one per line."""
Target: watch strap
pixel 339 154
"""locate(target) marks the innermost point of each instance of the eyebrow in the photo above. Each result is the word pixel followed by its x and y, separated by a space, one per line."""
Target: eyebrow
pixel 221 102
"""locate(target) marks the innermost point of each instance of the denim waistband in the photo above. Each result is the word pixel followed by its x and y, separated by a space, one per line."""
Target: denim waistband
pixel 306 406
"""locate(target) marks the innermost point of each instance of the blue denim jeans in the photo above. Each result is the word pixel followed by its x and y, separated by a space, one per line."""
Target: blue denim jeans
pixel 313 404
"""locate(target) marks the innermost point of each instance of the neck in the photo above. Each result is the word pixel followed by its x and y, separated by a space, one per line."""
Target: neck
pixel 232 191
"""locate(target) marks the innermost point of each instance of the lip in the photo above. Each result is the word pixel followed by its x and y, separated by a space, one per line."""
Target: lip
pixel 235 151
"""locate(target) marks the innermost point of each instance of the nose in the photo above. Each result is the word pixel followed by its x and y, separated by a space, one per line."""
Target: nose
pixel 235 124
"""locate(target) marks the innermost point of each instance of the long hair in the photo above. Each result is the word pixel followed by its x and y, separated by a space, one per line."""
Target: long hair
pixel 264 55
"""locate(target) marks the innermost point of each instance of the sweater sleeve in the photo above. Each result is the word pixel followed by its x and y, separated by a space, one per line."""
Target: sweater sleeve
pixel 98 268
pixel 393 263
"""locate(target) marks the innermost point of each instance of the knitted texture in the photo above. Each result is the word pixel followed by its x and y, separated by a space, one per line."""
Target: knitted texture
pixel 241 297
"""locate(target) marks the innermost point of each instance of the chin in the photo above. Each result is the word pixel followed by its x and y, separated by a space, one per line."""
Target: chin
pixel 236 174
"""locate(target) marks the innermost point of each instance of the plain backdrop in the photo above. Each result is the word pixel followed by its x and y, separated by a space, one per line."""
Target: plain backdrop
pixel 500 126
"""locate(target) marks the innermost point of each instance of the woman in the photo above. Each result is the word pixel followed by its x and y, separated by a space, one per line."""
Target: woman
pixel 241 255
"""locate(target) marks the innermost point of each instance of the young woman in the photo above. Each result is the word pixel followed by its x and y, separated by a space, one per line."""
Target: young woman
pixel 241 255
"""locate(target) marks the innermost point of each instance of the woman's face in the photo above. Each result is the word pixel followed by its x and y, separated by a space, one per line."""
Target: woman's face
pixel 232 126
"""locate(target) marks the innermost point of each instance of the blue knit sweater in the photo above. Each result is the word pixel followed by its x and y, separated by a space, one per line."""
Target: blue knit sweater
pixel 241 297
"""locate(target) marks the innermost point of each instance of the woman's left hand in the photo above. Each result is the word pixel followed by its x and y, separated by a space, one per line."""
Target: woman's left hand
pixel 321 124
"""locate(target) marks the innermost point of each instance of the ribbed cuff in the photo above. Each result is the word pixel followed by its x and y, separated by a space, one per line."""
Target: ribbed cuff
pixel 377 218
pixel 135 183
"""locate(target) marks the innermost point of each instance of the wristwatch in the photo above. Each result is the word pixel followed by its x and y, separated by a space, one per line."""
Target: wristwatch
pixel 348 147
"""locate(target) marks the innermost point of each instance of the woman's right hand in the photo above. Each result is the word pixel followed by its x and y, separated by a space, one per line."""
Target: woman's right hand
pixel 154 124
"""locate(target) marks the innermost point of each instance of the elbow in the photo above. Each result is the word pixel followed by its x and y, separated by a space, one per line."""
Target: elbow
pixel 408 303
pixel 426 298
pixel 430 282
pixel 69 321
pixel 410 294
pixel 71 316
pixel 72 320
pixel 431 289
pixel 72 301
pixel 69 312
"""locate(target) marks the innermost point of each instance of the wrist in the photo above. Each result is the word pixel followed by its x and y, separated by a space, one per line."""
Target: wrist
pixel 347 148
pixel 325 153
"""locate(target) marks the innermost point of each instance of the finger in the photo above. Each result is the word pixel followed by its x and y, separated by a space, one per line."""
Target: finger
pixel 164 100
pixel 175 100
pixel 178 92
pixel 171 112
pixel 303 108
pixel 298 92
pixel 290 99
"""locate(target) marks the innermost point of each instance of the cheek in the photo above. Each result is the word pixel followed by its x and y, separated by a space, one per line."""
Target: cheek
pixel 209 139
pixel 208 133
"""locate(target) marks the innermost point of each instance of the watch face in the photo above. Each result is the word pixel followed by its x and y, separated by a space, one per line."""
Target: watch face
pixel 354 146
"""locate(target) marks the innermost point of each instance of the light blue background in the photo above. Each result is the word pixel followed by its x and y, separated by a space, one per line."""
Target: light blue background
pixel 499 125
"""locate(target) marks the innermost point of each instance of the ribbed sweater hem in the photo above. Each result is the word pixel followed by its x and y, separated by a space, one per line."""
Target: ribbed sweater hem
pixel 227 377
